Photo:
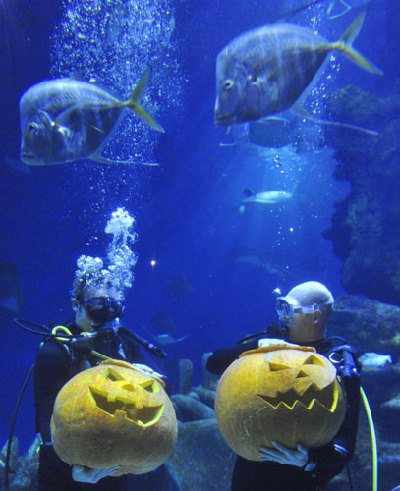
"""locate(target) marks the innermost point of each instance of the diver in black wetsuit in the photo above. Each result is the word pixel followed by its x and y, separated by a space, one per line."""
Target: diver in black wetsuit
pixel 303 313
pixel 97 305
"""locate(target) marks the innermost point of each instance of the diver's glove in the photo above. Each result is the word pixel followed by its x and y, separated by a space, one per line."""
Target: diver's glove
pixel 82 473
pixel 264 342
pixel 284 455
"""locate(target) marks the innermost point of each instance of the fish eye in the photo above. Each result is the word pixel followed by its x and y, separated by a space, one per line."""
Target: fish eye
pixel 33 129
pixel 228 84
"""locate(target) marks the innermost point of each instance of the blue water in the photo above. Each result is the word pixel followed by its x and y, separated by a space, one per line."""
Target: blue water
pixel 186 209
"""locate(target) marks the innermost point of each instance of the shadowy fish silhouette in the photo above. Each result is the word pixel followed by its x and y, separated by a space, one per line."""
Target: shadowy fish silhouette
pixel 254 257
pixel 166 339
pixel 264 71
pixel 11 295
pixel 66 120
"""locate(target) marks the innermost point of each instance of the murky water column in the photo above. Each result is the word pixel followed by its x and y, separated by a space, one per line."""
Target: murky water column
pixel 112 42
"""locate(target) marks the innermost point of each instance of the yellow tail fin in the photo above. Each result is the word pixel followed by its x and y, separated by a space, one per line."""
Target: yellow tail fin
pixel 345 45
pixel 134 99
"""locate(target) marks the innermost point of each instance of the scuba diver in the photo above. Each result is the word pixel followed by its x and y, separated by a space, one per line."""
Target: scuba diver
pixel 98 307
pixel 95 332
pixel 303 314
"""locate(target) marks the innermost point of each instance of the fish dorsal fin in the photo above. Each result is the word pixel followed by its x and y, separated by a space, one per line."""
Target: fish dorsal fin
pixel 249 193
pixel 97 157
pixel 300 109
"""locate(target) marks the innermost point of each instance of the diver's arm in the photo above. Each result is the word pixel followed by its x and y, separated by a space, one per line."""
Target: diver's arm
pixel 135 352
pixel 333 457
pixel 51 372
pixel 220 360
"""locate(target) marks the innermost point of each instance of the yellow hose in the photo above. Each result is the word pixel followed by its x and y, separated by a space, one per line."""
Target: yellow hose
pixel 61 328
pixel 69 333
pixel 374 449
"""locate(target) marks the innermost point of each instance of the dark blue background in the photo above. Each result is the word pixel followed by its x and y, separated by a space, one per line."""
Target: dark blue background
pixel 185 210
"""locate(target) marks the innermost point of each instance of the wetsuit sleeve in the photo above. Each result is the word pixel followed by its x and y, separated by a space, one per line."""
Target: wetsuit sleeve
pixel 51 372
pixel 333 457
pixel 135 353
pixel 220 360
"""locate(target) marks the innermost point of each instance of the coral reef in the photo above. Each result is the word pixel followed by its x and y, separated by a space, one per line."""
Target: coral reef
pixel 201 460
pixel 364 225
pixel 22 470
pixel 371 325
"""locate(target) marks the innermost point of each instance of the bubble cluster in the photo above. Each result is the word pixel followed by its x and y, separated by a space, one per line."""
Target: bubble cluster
pixel 120 256
pixel 117 269
pixel 111 43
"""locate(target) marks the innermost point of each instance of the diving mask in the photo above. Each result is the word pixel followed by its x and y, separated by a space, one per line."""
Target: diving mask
pixel 103 309
pixel 286 309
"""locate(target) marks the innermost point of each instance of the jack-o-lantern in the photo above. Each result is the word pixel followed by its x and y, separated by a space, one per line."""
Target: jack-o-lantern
pixel 278 393
pixel 114 414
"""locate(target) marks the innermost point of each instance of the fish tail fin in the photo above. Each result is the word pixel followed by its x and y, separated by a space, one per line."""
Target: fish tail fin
pixel 134 103
pixel 345 45
pixel 249 193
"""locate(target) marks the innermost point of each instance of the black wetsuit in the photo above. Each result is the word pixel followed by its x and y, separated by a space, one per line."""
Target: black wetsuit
pixel 55 364
pixel 326 461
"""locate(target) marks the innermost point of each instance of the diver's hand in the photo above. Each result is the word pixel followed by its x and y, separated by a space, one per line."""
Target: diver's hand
pixel 284 455
pixel 263 343
pixel 82 473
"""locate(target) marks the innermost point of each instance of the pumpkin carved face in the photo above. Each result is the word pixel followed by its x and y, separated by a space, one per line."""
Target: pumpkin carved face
pixel 288 395
pixel 138 401
pixel 114 414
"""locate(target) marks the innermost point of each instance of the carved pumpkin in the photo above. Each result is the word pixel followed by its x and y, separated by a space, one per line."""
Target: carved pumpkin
pixel 277 393
pixel 114 414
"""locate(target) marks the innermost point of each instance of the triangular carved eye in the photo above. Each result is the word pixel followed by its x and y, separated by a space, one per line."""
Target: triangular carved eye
pixel 129 387
pixel 113 375
pixel 302 374
pixel 150 386
pixel 314 360
pixel 276 367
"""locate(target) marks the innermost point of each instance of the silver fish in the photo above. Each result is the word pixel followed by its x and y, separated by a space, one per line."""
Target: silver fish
pixel 263 198
pixel 265 71
pixel 374 360
pixel 66 120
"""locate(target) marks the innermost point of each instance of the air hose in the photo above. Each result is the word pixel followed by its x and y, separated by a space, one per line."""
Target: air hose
pixel 374 449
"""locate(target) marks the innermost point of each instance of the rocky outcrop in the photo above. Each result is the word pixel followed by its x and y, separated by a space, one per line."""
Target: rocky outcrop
pixel 370 325
pixel 364 229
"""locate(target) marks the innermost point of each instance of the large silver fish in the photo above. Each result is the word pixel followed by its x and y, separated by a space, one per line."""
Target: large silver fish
pixel 264 71
pixel 66 120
